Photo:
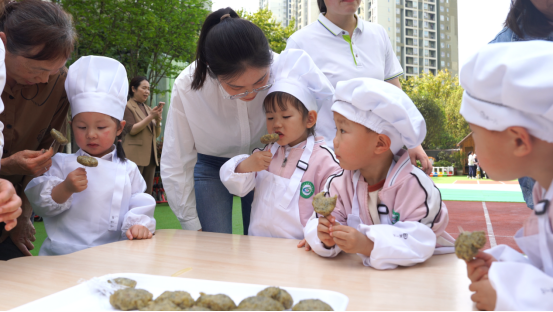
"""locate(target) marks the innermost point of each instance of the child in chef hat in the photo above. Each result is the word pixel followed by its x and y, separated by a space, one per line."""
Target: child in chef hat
pixel 287 174
pixel 508 102
pixel 88 207
pixel 388 211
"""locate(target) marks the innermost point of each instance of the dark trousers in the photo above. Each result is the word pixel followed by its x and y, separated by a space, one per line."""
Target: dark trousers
pixel 472 171
pixel 8 250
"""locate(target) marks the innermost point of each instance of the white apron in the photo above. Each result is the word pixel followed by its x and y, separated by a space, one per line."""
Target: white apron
pixel 275 208
pixel 95 216
pixel 353 219
pixel 539 247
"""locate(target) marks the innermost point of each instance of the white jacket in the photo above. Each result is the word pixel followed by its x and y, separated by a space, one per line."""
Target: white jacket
pixel 113 201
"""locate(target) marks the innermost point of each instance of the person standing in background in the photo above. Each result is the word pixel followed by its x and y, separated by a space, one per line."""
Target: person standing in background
pixel 143 127
pixel 527 20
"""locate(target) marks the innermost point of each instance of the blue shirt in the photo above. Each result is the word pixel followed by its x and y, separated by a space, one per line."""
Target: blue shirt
pixel 507 35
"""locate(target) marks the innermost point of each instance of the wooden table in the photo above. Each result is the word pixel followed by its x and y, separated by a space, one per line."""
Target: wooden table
pixel 438 284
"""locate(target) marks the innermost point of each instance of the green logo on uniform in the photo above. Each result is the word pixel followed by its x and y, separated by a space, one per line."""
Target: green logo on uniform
pixel 307 189
pixel 395 217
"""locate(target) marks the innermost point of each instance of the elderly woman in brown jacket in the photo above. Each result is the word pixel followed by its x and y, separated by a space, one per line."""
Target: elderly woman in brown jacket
pixel 143 127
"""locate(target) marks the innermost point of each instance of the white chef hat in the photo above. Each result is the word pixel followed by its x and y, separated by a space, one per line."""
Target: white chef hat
pixel 383 108
pixel 295 73
pixel 510 84
pixel 97 84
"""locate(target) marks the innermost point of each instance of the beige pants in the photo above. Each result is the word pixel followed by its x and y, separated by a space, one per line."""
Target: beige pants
pixel 148 173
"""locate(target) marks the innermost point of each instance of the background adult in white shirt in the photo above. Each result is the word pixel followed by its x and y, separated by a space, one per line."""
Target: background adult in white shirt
pixel 345 47
pixel 216 113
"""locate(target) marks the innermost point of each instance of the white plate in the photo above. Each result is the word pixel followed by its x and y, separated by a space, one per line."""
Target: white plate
pixel 83 298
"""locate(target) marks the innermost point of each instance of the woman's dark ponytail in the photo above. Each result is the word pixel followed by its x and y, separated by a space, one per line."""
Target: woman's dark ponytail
pixel 229 44
pixel 322 6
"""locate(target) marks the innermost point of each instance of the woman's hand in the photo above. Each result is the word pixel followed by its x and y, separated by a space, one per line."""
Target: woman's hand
pixel 155 113
pixel 419 154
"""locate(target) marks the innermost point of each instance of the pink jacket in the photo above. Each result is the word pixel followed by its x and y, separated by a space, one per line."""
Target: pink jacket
pixel 402 194
pixel 322 165
pixel 412 217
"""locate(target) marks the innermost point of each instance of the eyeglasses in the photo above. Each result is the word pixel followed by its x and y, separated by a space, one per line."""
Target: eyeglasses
pixel 244 94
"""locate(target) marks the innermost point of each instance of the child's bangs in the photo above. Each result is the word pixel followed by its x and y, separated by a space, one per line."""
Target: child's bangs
pixel 280 100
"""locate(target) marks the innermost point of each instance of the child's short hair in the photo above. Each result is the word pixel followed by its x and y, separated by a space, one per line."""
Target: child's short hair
pixel 282 99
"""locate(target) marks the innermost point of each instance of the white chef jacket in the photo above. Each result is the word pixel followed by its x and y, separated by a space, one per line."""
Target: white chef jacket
pixel 341 57
pixel 202 121
pixel 71 227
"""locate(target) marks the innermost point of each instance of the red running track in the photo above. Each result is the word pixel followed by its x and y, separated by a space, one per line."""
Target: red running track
pixel 506 219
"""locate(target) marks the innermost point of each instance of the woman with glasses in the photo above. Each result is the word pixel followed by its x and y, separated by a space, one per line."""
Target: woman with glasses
pixel 216 113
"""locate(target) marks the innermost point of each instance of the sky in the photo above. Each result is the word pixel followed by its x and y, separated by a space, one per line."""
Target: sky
pixel 479 21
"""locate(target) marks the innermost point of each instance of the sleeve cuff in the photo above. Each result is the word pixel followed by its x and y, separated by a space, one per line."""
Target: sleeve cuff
pixel 191 225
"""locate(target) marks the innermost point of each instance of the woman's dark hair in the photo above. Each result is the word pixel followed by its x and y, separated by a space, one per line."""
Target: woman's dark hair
pixel 135 82
pixel 32 23
pixel 470 153
pixel 322 6
pixel 119 141
pixel 229 44
pixel 281 99
pixel 525 19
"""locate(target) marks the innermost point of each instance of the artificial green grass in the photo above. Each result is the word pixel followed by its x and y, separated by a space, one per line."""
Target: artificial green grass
pixel 165 219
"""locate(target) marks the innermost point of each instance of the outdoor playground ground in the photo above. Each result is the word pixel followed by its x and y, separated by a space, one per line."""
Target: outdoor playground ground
pixel 475 205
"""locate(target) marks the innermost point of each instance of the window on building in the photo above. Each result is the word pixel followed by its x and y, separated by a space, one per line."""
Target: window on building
pixel 398 20
pixel 426 52
pixel 441 9
pixel 443 63
pixel 443 54
pixel 415 42
pixel 426 62
pixel 389 29
pixel 398 49
pixel 398 39
pixel 447 64
pixel 388 19
pixel 448 57
pixel 441 18
pixel 448 46
pixel 398 11
pixel 443 45
pixel 398 30
pixel 442 27
pixel 426 33
pixel 415 70
pixel 398 2
pixel 415 51
pixel 447 10
pixel 443 36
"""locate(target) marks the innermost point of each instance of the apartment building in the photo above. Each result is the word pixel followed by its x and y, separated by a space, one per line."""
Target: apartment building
pixel 424 34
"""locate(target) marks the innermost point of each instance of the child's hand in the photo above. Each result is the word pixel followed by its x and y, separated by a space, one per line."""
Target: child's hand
pixel 303 243
pixel 478 268
pixel 256 162
pixel 76 181
pixel 351 241
pixel 485 296
pixel 138 232
pixel 323 230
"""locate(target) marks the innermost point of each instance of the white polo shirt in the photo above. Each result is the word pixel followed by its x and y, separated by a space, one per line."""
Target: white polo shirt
pixel 368 53
pixel 341 57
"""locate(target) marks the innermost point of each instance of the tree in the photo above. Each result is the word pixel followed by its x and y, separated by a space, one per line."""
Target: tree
pixel 445 92
pixel 149 37
pixel 274 31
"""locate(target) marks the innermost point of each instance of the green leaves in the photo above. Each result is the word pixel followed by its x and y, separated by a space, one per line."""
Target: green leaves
pixel 438 98
pixel 274 31
pixel 152 38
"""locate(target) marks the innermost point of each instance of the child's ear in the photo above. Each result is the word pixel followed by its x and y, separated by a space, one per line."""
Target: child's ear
pixel 522 140
pixel 383 144
pixel 311 119
pixel 121 127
